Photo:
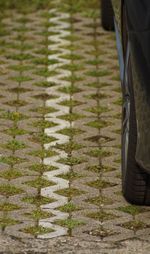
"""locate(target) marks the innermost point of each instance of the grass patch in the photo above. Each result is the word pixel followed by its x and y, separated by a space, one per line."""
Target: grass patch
pixel 13 116
pixel 100 200
pixel 101 184
pixel 70 131
pixel 15 131
pixel 42 138
pixel 134 225
pixel 9 190
pixel 39 214
pixel 11 160
pixel 69 89
pixel 101 216
pixel 42 168
pixel 69 208
pixel 99 124
pixel 44 110
pixel 99 152
pixel 37 230
pixel 70 192
pixel 44 124
pixel 19 90
pixel 70 103
pixel 10 174
pixel 131 209
pixel 5 221
pixel 14 145
pixel 40 183
pixel 45 84
pixel 70 176
pixel 98 73
pixel 68 147
pixel 72 161
pixel 38 200
pixel 16 103
pixel 71 117
pixel 69 223
pixel 43 153
pixel 8 207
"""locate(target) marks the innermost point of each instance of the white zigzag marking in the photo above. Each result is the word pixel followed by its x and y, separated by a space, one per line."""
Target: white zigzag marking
pixel 60 183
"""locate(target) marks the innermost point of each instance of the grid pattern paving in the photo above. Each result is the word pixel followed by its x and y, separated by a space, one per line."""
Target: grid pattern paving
pixel 60 111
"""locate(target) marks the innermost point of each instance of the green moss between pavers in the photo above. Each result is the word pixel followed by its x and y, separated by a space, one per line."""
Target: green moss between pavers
pixel 116 78
pixel 14 131
pixel 38 200
pixel 20 68
pixel 71 117
pixel 72 56
pixel 19 90
pixel 99 138
pixel 70 131
pixel 19 57
pixel 69 89
pixel 132 209
pixel 99 152
pixel 42 168
pixel 100 168
pixel 21 79
pixel 134 225
pixel 70 192
pixel 45 84
pixel 25 6
pixel 44 124
pixel 68 147
pixel 72 160
pixel 70 223
pixel 97 96
pixel 39 214
pixel 98 124
pixel 45 73
pixel 43 153
pixel 14 145
pixel 98 73
pixel 45 61
pixel 70 176
pixel 73 67
pixel 9 190
pixel 10 174
pixel 101 232
pixel 100 200
pixel 44 110
pixel 40 183
pixel 8 207
pixel 95 62
pixel 73 78
pixel 118 102
pixel 101 216
pixel 44 96
pixel 98 84
pixel 11 160
pixel 42 138
pixel 69 208
pixel 16 103
pixel 38 230
pixel 5 221
pixel 70 103
pixel 72 38
pixel 14 116
pixel 98 109
pixel 100 184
